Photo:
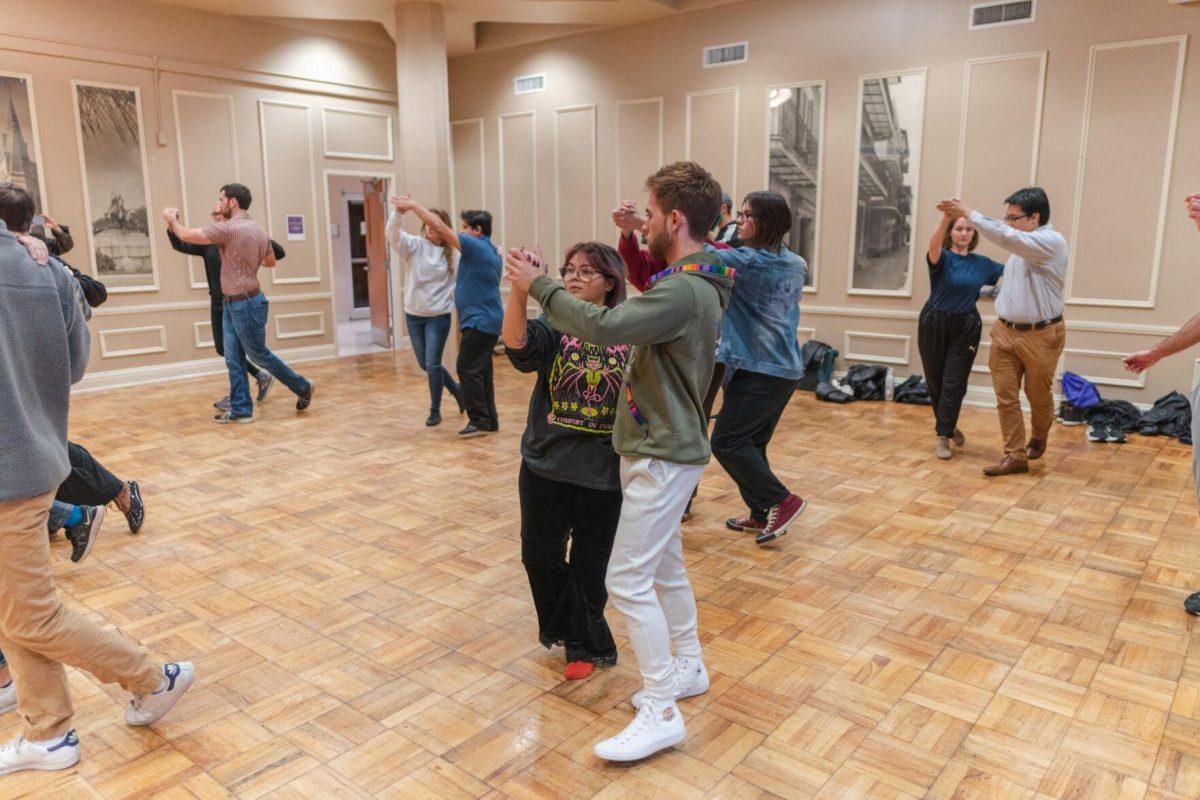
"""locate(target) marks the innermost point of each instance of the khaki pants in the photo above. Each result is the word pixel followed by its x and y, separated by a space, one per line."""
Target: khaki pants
pixel 38 635
pixel 1032 355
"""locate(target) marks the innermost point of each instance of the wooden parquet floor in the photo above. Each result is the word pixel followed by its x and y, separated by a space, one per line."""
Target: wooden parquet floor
pixel 349 585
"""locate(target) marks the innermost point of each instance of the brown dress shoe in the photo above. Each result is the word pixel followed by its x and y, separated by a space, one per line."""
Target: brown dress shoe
pixel 1036 448
pixel 1009 466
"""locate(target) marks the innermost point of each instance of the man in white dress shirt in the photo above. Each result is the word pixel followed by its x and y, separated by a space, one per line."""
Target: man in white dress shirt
pixel 1028 337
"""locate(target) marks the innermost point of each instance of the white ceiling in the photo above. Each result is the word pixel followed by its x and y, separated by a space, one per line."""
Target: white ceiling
pixel 470 24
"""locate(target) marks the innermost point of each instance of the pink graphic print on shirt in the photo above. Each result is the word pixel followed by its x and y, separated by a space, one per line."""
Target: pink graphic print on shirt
pixel 585 383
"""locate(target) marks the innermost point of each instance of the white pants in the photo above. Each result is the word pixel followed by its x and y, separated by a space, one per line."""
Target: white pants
pixel 646 578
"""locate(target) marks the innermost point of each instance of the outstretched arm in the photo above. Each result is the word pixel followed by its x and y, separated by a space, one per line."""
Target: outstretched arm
pixel 1178 341
pixel 185 234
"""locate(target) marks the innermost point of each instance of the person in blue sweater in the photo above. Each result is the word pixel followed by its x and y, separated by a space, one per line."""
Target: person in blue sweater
pixel 949 329
pixel 480 313
pixel 762 362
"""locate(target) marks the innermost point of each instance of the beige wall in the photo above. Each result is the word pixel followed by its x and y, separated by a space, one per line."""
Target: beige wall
pixel 1114 109
pixel 274 106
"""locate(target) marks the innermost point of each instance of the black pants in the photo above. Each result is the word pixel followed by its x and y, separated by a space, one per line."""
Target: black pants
pixel 217 315
pixel 569 595
pixel 754 402
pixel 714 386
pixel 948 343
pixel 475 376
pixel 89 483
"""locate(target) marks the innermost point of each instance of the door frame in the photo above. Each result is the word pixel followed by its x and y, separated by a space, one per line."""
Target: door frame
pixel 399 332
pixel 366 310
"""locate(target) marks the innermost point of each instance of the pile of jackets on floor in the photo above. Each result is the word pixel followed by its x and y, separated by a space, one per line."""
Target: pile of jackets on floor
pixel 1112 420
pixel 861 381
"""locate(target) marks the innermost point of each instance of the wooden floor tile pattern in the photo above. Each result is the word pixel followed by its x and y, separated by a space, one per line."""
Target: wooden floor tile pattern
pixel 349 585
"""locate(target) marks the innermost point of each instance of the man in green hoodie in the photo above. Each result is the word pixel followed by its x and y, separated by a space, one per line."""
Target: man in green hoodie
pixel 662 437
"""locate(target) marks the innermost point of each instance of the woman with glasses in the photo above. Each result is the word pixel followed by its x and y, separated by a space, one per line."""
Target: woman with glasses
pixel 949 329
pixel 762 362
pixel 569 484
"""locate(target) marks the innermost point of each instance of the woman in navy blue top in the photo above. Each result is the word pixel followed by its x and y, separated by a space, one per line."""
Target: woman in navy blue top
pixel 949 329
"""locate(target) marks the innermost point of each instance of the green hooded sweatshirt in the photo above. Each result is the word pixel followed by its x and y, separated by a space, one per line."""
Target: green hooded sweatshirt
pixel 673 327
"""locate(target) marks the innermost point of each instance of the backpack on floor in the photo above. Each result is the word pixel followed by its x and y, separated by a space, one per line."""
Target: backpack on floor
pixel 818 359
pixel 1079 391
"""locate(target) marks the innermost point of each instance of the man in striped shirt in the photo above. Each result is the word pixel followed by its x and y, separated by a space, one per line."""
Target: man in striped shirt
pixel 244 246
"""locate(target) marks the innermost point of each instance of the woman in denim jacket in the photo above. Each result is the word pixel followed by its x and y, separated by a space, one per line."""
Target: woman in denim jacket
pixel 762 362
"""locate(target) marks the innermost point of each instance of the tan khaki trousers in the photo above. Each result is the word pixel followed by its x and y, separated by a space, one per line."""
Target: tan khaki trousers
pixel 1032 355
pixel 38 635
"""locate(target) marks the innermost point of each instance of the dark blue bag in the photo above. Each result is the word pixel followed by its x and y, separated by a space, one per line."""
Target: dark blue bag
pixel 1079 391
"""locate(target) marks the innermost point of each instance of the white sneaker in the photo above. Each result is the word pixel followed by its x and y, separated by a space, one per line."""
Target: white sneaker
pixel 54 754
pixel 656 727
pixel 690 679
pixel 147 709
pixel 8 697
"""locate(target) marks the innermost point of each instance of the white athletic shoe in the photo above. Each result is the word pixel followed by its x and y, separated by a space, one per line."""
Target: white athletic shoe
pixel 8 697
pixel 147 709
pixel 54 754
pixel 690 679
pixel 657 726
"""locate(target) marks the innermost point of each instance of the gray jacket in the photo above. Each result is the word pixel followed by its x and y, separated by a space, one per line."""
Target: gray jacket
pixel 44 347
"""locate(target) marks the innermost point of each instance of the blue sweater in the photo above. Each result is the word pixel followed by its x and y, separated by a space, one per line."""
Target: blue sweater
pixel 44 346
pixel 477 285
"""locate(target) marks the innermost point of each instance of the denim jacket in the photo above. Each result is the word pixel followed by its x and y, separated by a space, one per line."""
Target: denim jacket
pixel 759 331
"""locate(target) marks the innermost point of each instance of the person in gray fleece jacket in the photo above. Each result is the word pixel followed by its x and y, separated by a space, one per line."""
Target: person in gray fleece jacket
pixel 43 350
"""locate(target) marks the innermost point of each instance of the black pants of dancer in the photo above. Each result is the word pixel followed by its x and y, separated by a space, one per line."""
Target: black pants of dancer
pixel 710 397
pixel 217 316
pixel 569 595
pixel 754 402
pixel 948 343
pixel 89 483
pixel 474 368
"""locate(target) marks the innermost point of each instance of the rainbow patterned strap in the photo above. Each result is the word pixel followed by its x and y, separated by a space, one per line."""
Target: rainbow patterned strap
pixel 633 409
pixel 716 269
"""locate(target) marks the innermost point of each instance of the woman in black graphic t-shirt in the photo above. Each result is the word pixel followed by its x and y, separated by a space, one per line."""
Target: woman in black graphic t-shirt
pixel 569 484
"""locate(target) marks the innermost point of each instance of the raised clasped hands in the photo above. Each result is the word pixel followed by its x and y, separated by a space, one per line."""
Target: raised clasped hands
pixel 953 207
pixel 626 217
pixel 170 214
pixel 403 203
pixel 522 267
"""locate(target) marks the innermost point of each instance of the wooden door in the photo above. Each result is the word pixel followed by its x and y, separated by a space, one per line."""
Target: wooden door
pixel 378 272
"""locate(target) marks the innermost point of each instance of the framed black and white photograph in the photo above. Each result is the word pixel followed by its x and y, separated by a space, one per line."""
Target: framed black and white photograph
pixel 891 109
pixel 20 155
pixel 795 131
pixel 112 157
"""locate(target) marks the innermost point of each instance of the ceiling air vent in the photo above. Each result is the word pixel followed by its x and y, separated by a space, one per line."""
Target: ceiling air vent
pixel 530 83
pixel 988 15
pixel 722 55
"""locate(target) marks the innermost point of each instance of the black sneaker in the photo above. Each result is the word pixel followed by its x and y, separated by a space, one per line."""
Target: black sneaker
pixel 1114 435
pixel 228 419
pixel 472 430
pixel 1097 433
pixel 223 404
pixel 1192 604
pixel 136 514
pixel 265 381
pixel 83 535
pixel 434 418
pixel 305 398
pixel 1071 415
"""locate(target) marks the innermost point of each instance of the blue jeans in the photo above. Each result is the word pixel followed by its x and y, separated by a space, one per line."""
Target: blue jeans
pixel 60 512
pixel 245 324
pixel 429 336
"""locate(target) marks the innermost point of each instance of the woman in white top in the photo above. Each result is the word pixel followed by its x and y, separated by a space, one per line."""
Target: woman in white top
pixel 428 302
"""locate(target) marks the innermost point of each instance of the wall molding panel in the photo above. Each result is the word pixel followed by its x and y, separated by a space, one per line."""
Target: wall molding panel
pixel 100 380
pixel 1138 382
pixel 731 184
pixel 1087 140
pixel 848 353
pixel 589 171
pixel 207 149
pixel 203 341
pixel 311 223
pixel 301 333
pixel 388 153
pixel 107 351
pixel 456 202
pixel 505 220
pixel 196 305
pixel 618 138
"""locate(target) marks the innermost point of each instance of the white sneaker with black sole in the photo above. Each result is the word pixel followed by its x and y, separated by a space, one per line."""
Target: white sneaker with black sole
pixel 690 678
pixel 21 754
pixel 8 697
pixel 147 709
pixel 657 726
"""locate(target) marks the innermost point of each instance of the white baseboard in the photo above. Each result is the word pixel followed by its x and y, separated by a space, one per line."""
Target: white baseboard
pixel 181 370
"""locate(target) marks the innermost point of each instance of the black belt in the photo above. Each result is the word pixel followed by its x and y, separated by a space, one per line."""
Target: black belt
pixel 237 298
pixel 1031 326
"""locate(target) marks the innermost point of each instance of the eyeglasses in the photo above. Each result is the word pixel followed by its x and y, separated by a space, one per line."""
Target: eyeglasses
pixel 582 273
pixel 1015 217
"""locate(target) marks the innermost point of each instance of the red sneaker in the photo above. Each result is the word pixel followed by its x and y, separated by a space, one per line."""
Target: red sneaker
pixel 746 523
pixel 578 670
pixel 780 517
